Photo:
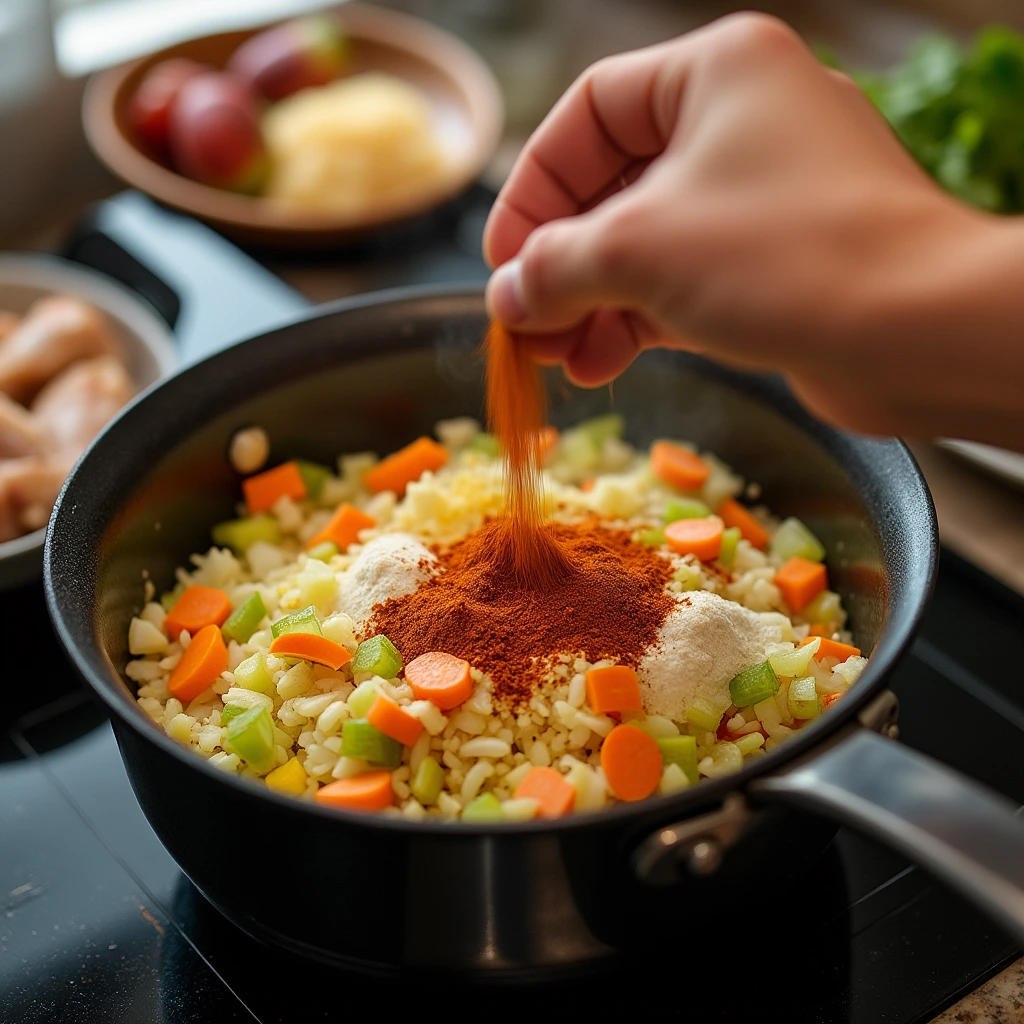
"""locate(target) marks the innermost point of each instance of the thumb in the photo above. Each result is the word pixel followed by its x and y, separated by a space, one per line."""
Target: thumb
pixel 568 268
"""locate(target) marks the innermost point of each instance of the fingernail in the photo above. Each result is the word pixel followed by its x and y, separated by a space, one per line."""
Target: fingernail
pixel 505 293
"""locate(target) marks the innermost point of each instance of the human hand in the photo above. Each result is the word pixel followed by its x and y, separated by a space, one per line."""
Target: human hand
pixel 725 193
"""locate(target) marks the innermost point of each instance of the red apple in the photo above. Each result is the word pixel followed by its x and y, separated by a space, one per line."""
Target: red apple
pixel 298 54
pixel 150 108
pixel 215 133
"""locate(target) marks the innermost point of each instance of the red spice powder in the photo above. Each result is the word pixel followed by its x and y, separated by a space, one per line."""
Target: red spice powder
pixel 608 602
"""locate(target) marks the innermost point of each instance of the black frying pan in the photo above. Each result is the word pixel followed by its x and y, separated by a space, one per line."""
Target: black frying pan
pixel 374 373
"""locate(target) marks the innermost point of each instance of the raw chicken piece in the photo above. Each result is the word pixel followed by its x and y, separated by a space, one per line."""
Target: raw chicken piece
pixel 28 489
pixel 8 322
pixel 55 332
pixel 20 434
pixel 73 408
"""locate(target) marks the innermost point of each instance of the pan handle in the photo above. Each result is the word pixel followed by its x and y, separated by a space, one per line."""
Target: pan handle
pixel 962 832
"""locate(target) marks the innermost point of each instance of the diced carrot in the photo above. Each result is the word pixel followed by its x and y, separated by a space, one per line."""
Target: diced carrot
pixel 800 580
pixel 678 466
pixel 546 441
pixel 197 607
pixel 397 471
pixel 368 792
pixel 588 485
pixel 310 647
pixel 201 664
pixel 700 537
pixel 554 794
pixel 732 513
pixel 829 699
pixel 264 490
pixel 832 649
pixel 613 688
pixel 631 761
pixel 818 629
pixel 393 721
pixel 344 528
pixel 441 678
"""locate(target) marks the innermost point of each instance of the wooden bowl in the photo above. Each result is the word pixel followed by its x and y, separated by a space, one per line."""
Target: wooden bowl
pixel 467 105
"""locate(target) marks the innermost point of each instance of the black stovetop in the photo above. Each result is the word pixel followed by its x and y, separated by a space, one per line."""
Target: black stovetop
pixel 97 924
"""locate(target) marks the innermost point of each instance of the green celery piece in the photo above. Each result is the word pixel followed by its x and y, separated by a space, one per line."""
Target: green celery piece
pixel 360 739
pixel 703 714
pixel 730 539
pixel 252 674
pixel 685 508
pixel 688 576
pixel 379 656
pixel 802 698
pixel 601 428
pixel 753 685
pixel 302 621
pixel 251 736
pixel 486 444
pixel 793 540
pixel 241 534
pixel 170 598
pixel 245 619
pixel 652 538
pixel 230 712
pixel 826 607
pixel 483 810
pixel 314 475
pixel 680 750
pixel 362 697
pixel 324 551
pixel 579 450
pixel 427 781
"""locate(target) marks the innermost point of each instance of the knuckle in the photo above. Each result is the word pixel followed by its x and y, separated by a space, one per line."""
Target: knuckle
pixel 754 32
pixel 541 256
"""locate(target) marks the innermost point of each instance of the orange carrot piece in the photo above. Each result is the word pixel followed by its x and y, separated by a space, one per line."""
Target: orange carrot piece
pixel 829 699
pixel 700 537
pixel 394 721
pixel 397 471
pixel 631 761
pixel 546 441
pixel 368 792
pixel 554 794
pixel 201 664
pixel 441 678
pixel 310 647
pixel 197 607
pixel 818 629
pixel 344 528
pixel 800 580
pixel 588 485
pixel 831 649
pixel 732 513
pixel 614 688
pixel 264 490
pixel 678 466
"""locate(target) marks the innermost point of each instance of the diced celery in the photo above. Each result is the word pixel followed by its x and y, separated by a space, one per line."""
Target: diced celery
pixel 362 697
pixel 802 698
pixel 656 726
pixel 652 538
pixel 730 538
pixel 793 540
pixel 303 621
pixel 251 736
pixel 314 476
pixel 245 619
pixel 379 656
pixel 230 711
pixel 427 782
pixel 170 598
pixel 601 428
pixel 241 534
pixel 486 444
pixel 680 750
pixel 483 810
pixel 753 685
pixel 703 714
pixel 685 508
pixel 826 608
pixel 794 662
pixel 749 743
pixel 324 551
pixel 252 674
pixel 579 450
pixel 360 739
pixel 688 576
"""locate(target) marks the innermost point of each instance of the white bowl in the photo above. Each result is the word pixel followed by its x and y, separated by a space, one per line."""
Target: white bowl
pixel 146 346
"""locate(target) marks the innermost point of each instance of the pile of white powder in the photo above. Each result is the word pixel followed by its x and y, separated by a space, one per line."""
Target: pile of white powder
pixel 392 565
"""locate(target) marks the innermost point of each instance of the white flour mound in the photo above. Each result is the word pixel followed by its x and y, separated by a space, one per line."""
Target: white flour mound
pixel 704 642
pixel 392 565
